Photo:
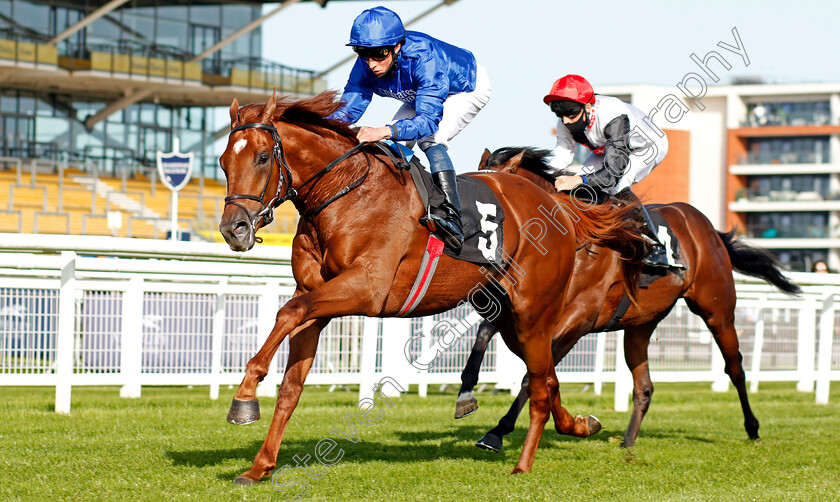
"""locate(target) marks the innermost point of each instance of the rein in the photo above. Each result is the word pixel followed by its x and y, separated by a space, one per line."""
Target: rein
pixel 285 175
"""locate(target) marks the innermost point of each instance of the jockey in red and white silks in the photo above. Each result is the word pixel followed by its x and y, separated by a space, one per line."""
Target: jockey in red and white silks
pixel 625 147
pixel 625 144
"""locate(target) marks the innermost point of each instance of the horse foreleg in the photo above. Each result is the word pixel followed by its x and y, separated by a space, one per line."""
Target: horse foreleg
pixel 636 342
pixel 542 389
pixel 302 346
pixel 351 292
pixel 492 440
pixel 245 408
pixel 466 402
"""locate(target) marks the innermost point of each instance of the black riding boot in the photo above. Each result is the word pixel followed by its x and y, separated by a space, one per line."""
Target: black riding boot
pixel 657 254
pixel 451 223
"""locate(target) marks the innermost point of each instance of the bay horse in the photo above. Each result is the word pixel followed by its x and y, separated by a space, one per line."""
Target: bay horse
pixel 359 245
pixel 595 291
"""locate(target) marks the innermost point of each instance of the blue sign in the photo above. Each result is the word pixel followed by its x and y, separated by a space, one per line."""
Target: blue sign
pixel 175 167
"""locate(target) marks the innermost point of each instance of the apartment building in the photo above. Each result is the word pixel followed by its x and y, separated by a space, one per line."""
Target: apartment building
pixel 762 157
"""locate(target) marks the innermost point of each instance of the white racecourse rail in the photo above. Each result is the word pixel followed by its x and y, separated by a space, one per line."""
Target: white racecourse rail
pixel 133 312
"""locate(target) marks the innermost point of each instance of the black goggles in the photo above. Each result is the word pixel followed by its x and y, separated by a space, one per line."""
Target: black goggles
pixel 568 109
pixel 374 53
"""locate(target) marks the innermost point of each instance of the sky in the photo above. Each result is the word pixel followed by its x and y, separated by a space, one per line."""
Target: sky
pixel 526 45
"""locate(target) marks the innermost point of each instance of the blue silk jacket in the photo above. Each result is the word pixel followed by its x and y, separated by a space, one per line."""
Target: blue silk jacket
pixel 426 73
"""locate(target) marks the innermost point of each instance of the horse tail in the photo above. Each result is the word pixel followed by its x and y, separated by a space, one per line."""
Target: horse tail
pixel 756 262
pixel 615 228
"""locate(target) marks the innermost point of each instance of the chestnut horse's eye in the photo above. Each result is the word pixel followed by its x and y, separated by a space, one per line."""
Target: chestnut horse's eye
pixel 264 158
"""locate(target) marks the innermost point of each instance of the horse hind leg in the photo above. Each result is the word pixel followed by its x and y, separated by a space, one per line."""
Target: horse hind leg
pixel 466 403
pixel 719 317
pixel 636 341
pixel 567 425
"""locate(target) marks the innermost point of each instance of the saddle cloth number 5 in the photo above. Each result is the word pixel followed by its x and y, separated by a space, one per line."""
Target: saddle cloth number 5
pixel 488 241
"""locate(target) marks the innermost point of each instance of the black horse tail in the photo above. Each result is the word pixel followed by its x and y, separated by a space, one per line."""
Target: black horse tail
pixel 756 262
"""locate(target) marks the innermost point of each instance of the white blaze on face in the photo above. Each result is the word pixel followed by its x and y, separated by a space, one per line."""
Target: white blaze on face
pixel 239 145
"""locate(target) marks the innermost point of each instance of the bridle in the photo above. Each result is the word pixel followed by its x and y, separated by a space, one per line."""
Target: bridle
pixel 284 176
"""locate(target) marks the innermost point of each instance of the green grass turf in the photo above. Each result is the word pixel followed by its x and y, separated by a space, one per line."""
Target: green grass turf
pixel 174 443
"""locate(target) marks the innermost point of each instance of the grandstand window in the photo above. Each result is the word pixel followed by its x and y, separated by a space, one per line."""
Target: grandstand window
pixel 5 13
pixel 137 27
pixel 174 12
pixel 147 113
pixel 32 16
pixel 206 14
pixel 164 116
pixel 172 34
pixel 8 101
pixel 26 103
pixel 51 131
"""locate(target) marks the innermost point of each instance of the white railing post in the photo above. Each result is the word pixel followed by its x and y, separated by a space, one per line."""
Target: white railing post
pixel 370 329
pixel 805 344
pixel 65 335
pixel 826 341
pixel 218 336
pixel 509 368
pixel 720 382
pixel 623 377
pixel 427 342
pixel 131 346
pixel 758 347
pixel 267 312
pixel 396 332
pixel 600 352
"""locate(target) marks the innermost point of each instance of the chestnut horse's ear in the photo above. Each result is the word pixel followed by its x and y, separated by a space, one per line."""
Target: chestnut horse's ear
pixel 512 165
pixel 482 164
pixel 516 160
pixel 268 111
pixel 234 113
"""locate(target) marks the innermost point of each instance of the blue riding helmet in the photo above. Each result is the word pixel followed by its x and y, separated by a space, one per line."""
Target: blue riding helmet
pixel 377 27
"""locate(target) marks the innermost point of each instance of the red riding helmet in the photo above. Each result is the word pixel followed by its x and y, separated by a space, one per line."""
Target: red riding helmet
pixel 571 88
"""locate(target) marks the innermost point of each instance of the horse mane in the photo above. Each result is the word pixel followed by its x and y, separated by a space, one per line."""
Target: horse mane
pixel 605 224
pixel 535 160
pixel 309 113
pixel 613 227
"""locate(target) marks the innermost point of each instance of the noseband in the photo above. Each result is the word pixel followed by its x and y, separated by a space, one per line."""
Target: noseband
pixel 267 209
pixel 284 175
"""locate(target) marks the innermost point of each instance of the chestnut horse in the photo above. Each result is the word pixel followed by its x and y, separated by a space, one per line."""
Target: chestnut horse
pixel 359 245
pixel 596 290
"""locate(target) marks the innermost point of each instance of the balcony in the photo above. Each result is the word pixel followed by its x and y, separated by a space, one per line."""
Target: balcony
pixel 25 51
pixel 133 61
pixel 764 231
pixel 259 74
pixel 795 114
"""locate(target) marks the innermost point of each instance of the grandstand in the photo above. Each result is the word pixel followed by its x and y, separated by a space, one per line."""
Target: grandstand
pixel 57 198
pixel 91 91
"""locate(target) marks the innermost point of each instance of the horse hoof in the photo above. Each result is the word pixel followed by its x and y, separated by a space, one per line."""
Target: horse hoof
pixel 490 442
pixel 594 425
pixel 242 480
pixel 465 407
pixel 243 412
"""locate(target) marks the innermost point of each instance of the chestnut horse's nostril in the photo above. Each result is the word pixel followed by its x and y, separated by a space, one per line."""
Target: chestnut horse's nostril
pixel 241 228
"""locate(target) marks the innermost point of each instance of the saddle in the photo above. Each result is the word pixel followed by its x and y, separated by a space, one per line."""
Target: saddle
pixel 481 214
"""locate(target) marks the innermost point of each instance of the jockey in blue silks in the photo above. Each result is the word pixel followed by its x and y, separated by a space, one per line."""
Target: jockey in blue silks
pixel 442 88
